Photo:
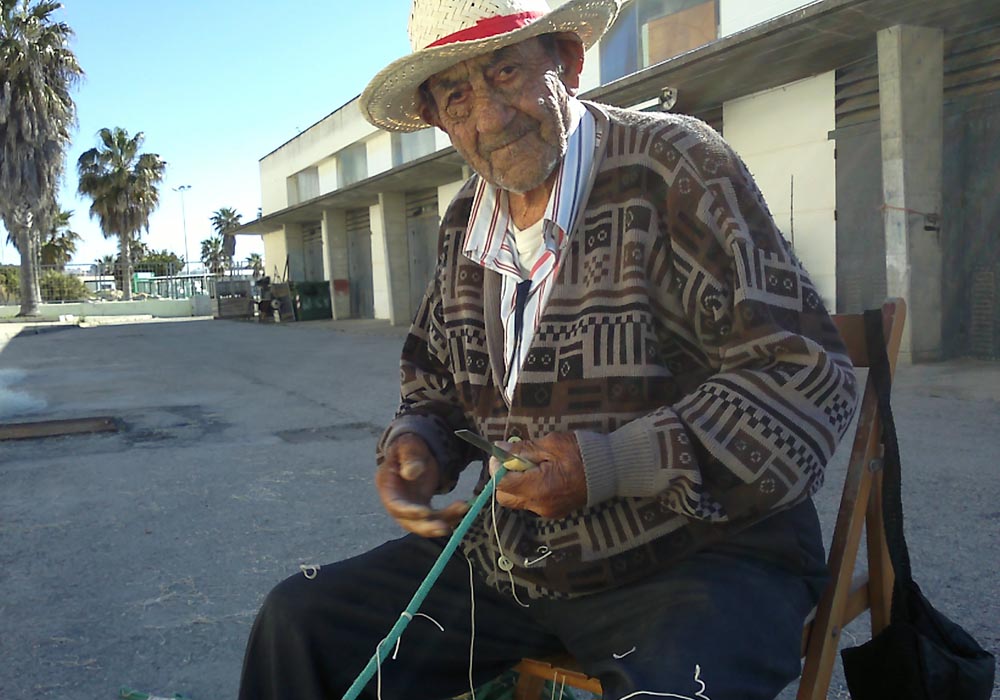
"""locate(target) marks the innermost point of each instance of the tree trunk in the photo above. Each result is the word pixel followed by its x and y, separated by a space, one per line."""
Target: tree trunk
pixel 30 293
pixel 34 232
pixel 126 256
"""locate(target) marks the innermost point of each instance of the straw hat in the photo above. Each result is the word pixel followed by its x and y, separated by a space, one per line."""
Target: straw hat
pixel 446 32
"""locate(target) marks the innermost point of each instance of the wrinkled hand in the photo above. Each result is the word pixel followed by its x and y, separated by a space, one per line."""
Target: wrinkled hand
pixel 556 488
pixel 407 480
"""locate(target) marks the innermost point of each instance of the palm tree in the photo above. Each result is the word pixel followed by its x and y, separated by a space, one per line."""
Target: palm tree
pixel 256 264
pixel 213 255
pixel 105 265
pixel 224 221
pixel 60 241
pixel 138 249
pixel 37 72
pixel 122 182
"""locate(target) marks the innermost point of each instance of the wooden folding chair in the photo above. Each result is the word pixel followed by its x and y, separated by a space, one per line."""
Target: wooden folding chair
pixel 848 595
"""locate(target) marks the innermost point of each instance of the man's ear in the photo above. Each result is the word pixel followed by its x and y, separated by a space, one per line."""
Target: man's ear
pixel 427 109
pixel 570 50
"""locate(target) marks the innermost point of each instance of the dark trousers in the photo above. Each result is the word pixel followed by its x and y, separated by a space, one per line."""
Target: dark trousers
pixel 719 625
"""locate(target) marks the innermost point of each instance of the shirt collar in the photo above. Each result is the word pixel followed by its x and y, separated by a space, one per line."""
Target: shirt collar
pixel 489 222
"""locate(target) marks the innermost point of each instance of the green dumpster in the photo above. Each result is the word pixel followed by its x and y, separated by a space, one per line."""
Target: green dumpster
pixel 312 301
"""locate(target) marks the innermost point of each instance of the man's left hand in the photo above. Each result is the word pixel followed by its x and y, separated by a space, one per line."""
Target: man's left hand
pixel 556 488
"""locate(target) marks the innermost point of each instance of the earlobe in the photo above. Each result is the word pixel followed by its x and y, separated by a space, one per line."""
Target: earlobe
pixel 571 59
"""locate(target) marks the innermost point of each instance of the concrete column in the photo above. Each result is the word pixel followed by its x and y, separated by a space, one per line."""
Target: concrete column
pixel 335 262
pixel 911 91
pixel 390 260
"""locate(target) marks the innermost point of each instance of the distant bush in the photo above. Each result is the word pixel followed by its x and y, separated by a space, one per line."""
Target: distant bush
pixel 58 286
pixel 10 283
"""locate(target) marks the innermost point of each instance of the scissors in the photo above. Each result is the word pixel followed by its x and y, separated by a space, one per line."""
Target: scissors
pixel 509 460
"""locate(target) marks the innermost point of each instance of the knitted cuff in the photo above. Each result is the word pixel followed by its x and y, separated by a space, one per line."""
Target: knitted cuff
pixel 598 466
pixel 622 463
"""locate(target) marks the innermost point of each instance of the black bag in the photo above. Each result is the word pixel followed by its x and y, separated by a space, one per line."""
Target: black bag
pixel 921 655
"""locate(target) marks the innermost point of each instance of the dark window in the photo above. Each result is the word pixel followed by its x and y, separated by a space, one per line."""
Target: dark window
pixel 650 31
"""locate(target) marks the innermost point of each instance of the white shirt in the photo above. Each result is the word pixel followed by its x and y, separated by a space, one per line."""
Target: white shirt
pixel 491 240
pixel 528 243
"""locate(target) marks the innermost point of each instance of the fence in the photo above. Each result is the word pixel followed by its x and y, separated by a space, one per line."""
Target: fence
pixel 74 283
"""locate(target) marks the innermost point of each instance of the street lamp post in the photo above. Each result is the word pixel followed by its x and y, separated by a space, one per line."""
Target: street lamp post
pixel 187 260
pixel 182 189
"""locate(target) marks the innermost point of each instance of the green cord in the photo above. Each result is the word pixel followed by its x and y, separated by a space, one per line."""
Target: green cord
pixel 382 650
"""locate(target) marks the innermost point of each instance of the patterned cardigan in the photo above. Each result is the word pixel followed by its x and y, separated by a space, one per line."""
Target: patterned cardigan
pixel 683 343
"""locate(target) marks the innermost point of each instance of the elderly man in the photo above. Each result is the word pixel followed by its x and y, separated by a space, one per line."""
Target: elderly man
pixel 611 290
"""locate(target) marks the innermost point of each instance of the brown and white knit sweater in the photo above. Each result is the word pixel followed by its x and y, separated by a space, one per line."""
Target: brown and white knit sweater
pixel 682 342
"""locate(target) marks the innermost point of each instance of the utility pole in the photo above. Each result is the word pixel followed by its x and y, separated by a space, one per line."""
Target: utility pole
pixel 182 189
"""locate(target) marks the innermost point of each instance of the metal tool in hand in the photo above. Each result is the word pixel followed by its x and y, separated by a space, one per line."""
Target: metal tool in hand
pixel 510 460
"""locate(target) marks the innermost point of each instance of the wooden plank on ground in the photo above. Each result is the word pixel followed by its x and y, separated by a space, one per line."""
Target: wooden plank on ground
pixel 57 428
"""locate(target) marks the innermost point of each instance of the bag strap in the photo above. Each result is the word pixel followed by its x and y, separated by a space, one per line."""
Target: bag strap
pixel 892 501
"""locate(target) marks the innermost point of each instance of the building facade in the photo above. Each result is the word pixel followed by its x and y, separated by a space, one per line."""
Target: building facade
pixel 870 126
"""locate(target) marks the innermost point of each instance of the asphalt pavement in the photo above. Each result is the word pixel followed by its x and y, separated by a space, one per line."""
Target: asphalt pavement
pixel 139 558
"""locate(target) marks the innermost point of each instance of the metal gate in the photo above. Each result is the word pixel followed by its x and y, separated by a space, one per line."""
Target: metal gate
pixel 359 263
pixel 312 253
pixel 970 224
pixel 970 233
pixel 860 231
pixel 422 225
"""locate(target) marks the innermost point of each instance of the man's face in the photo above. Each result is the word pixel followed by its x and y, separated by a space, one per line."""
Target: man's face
pixel 507 114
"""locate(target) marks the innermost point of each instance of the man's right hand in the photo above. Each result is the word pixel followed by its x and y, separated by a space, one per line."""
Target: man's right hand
pixel 406 482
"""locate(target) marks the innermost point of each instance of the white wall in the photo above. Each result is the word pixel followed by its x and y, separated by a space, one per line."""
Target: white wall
pixel 441 140
pixel 158 308
pixel 783 134
pixel 328 178
pixel 379 149
pixel 312 146
pixel 275 252
pixel 737 15
pixel 446 193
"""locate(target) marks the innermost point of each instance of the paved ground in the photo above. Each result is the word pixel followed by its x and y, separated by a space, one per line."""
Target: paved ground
pixel 140 558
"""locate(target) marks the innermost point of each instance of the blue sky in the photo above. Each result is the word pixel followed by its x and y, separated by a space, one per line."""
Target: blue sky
pixel 215 85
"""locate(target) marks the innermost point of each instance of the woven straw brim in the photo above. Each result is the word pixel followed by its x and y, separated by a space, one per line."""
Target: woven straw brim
pixel 390 99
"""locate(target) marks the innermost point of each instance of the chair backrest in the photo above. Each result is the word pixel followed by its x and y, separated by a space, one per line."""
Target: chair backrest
pixel 847 596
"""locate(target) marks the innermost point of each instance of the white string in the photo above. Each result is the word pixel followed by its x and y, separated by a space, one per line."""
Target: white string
pixel 543 551
pixel 424 615
pixel 622 656
pixel 472 635
pixel 493 512
pixel 513 591
pixel 562 688
pixel 410 615
pixel 496 534
pixel 378 655
pixel 700 695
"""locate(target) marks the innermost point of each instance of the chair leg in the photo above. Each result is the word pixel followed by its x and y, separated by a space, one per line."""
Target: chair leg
pixel 880 574
pixel 821 653
pixel 529 687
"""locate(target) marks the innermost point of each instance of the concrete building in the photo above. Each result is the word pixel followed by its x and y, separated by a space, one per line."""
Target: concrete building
pixel 870 125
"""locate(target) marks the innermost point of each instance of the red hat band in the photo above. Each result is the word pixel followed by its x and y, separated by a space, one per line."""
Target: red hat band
pixel 489 27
